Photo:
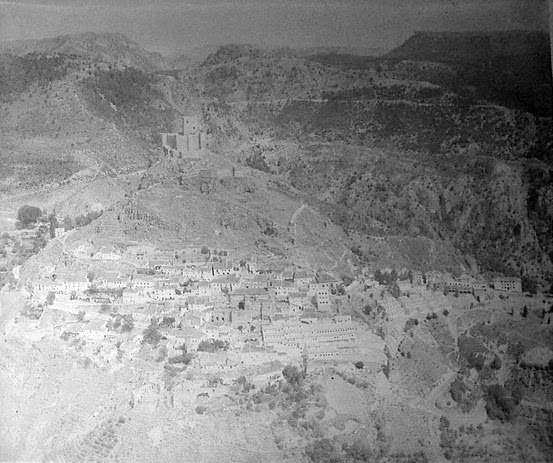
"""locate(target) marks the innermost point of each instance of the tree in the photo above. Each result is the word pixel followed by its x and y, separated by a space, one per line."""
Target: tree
pixel 151 334
pixel 240 328
pixel 378 276
pixel 167 322
pixel 292 375
pixel 359 365
pixel 213 345
pixel 105 308
pixel 128 323
pixel 322 451
pixel 394 289
pixel 27 215
pixel 499 405
pixel 68 224
pixel 50 298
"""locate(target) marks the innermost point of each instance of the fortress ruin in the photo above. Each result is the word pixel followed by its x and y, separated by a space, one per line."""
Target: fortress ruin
pixel 189 143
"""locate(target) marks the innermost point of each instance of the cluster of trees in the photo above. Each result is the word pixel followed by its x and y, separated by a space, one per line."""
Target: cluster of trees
pixel 18 73
pixel 69 223
pixel 501 404
pixel 28 216
pixel 385 278
pixel 213 345
pixel 151 334
pixel 472 352
pixel 131 92
pixel 122 323
pixel 293 376
pixel 257 161
pixel 183 358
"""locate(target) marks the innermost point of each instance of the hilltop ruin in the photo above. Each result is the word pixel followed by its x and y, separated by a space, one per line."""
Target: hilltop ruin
pixel 189 143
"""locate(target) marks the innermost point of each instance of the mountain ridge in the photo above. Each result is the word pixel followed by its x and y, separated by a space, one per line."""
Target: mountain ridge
pixel 107 46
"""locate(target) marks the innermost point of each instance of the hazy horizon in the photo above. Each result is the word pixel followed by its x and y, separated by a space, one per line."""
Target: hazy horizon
pixel 171 27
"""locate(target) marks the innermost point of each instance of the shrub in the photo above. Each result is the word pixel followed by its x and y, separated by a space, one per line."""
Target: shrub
pixel 472 352
pixel 105 308
pixel 200 409
pixel 257 161
pixel 386 369
pixel 476 360
pixel 359 365
pixel 162 355
pixel 496 364
pixel 184 358
pixel 498 405
pixel 128 324
pixel 359 451
pixel 50 298
pixel 457 389
pixel 410 324
pixel 323 451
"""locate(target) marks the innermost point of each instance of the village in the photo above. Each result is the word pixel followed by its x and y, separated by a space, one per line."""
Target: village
pixel 229 315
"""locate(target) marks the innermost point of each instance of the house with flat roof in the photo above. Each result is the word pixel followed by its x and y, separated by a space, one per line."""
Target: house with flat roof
pixel 507 284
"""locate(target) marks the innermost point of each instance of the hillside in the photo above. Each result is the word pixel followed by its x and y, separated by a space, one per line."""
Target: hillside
pixel 396 147
pixel 392 148
pixel 61 142
pixel 107 47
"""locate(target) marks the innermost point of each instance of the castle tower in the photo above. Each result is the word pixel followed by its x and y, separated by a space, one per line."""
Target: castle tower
pixel 189 143
pixel 190 125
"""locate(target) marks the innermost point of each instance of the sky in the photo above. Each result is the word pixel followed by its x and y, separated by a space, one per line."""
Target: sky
pixel 174 26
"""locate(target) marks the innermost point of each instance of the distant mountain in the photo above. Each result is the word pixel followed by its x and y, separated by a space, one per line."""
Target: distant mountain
pixel 471 47
pixel 232 52
pixel 354 51
pixel 190 56
pixel 512 68
pixel 107 47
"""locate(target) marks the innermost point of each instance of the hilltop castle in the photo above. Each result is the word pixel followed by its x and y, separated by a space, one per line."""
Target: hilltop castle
pixel 190 143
